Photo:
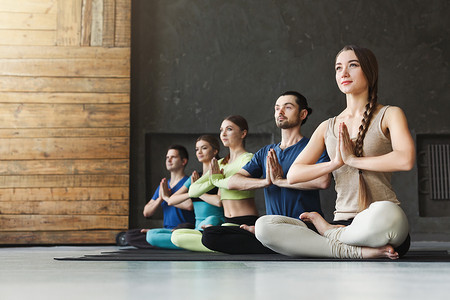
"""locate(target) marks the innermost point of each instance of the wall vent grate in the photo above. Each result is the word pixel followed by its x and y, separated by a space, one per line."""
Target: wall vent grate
pixel 439 170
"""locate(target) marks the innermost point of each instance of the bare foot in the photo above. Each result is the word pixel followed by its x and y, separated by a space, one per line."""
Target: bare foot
pixel 248 228
pixel 380 252
pixel 318 221
pixel 144 230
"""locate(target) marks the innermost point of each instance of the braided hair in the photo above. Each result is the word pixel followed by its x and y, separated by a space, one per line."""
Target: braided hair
pixel 369 67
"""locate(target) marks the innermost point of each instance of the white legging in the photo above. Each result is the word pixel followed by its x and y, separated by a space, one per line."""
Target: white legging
pixel 382 223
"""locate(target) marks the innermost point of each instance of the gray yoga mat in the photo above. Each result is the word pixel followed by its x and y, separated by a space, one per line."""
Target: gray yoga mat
pixel 132 254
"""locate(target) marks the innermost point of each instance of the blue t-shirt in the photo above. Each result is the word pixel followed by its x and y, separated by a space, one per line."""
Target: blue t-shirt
pixel 174 216
pixel 285 201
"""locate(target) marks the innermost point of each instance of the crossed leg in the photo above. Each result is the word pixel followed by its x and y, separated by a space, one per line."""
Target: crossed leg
pixel 318 221
pixel 372 234
pixel 377 229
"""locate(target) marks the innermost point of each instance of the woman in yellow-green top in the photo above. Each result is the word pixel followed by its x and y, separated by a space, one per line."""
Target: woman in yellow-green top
pixel 239 206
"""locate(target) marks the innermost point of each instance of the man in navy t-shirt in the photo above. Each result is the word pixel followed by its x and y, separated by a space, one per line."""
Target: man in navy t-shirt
pixel 268 169
pixel 280 197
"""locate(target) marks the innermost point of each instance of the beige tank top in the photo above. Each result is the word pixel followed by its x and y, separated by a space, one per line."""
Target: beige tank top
pixel 347 178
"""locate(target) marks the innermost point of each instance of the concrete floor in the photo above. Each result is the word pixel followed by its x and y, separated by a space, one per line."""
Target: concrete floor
pixel 32 273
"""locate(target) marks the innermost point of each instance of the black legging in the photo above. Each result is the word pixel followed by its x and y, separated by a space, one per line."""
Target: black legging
pixel 232 239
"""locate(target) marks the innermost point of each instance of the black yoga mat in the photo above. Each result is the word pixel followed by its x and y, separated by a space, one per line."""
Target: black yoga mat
pixel 131 254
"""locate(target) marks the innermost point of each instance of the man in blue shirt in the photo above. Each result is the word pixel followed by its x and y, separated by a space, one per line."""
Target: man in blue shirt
pixel 268 169
pixel 173 216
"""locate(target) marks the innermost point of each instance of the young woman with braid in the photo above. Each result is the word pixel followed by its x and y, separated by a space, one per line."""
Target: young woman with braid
pixel 366 142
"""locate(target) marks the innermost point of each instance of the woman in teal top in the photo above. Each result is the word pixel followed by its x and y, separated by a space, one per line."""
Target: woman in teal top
pixel 207 207
pixel 239 206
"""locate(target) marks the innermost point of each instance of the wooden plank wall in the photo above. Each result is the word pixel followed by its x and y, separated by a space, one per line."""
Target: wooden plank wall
pixel 64 120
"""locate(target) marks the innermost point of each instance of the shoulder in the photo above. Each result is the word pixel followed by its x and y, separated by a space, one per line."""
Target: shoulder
pixel 393 110
pixel 322 128
pixel 325 124
pixel 392 115
pixel 299 146
pixel 247 156
pixel 261 154
pixel 266 149
pixel 243 159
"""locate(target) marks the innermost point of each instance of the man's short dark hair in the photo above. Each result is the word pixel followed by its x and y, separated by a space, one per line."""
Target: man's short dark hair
pixel 182 152
pixel 301 101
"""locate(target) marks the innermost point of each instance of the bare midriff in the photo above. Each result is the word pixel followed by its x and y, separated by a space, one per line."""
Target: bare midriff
pixel 238 208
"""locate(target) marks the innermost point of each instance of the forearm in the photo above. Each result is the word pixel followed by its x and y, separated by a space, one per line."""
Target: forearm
pixel 390 162
pixel 302 173
pixel 212 199
pixel 320 183
pixel 186 205
pixel 244 183
pixel 151 207
pixel 177 199
pixel 201 186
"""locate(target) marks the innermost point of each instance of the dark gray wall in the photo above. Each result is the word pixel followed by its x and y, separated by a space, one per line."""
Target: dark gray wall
pixel 196 61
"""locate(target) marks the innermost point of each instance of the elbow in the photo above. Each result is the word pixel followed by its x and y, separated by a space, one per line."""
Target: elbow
pixel 193 195
pixel 408 165
pixel 408 162
pixel 186 204
pixel 291 178
pixel 325 182
pixel 403 160
pixel 148 211
pixel 231 184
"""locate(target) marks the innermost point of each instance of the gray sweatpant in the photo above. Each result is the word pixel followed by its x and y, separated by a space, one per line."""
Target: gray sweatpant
pixel 382 223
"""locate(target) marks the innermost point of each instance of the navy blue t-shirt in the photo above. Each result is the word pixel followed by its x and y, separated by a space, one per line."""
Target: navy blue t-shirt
pixel 174 216
pixel 285 201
